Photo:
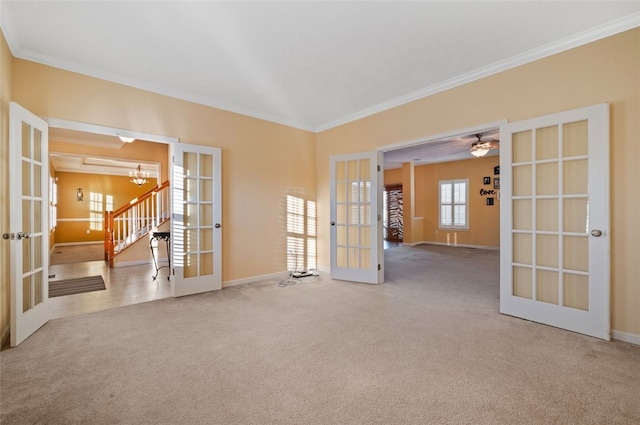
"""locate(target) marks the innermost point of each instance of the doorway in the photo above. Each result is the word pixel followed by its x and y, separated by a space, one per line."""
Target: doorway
pixel 392 218
pixel 90 173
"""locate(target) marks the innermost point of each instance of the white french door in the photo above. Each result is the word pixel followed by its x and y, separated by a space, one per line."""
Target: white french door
pixel 554 212
pixel 356 227
pixel 196 233
pixel 28 219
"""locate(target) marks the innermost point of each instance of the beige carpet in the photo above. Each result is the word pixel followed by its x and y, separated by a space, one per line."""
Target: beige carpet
pixel 427 347
pixel 67 254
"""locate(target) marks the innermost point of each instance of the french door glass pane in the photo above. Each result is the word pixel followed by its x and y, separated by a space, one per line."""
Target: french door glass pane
pixel 522 180
pixel 576 177
pixel 547 178
pixel 576 253
pixel 26 293
pixel 522 282
pixel 522 143
pixel 522 251
pixel 547 143
pixel 547 250
pixel 522 214
pixel 206 165
pixel 38 286
pixel 547 286
pixel 576 215
pixel 575 139
pixel 547 215
pixel 26 140
pixel 576 291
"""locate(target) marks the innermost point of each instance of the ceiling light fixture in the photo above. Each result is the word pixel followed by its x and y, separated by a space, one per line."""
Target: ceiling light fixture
pixel 126 139
pixel 479 151
pixel 138 176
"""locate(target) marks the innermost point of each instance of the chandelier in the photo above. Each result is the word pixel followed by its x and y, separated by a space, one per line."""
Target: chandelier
pixel 138 176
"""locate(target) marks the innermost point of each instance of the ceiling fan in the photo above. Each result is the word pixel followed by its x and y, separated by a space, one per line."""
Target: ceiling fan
pixel 480 147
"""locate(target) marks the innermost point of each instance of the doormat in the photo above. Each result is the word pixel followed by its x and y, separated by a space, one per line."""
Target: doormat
pixel 78 285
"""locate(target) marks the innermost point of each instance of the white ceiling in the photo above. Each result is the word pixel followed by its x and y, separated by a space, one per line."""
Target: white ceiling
pixel 311 65
pixel 93 164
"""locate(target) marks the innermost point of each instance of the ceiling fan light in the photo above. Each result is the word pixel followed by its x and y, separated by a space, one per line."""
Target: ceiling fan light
pixel 479 152
pixel 126 139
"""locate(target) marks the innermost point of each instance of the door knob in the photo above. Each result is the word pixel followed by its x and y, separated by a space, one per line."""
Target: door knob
pixel 11 236
pixel 596 233
pixel 217 225
pixel 333 223
pixel 23 235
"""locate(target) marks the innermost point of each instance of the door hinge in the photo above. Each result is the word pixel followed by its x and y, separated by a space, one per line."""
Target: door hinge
pixel 379 168
pixel 379 217
pixel 379 267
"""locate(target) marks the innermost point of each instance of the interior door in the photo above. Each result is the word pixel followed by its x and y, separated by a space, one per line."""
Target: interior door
pixel 356 226
pixel 555 220
pixel 196 233
pixel 29 235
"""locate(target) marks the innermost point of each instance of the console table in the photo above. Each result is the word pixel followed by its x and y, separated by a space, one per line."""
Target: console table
pixel 160 236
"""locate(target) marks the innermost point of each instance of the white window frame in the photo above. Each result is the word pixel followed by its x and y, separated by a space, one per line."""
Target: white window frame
pixel 453 203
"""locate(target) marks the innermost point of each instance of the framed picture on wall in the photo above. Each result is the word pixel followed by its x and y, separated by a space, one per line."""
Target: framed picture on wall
pixel 489 201
pixel 496 170
pixel 496 182
pixel 486 180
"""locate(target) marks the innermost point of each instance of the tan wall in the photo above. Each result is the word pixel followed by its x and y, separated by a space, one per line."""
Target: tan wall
pixel 604 71
pixel 484 220
pixel 73 215
pixel 262 162
pixel 392 177
pixel 5 96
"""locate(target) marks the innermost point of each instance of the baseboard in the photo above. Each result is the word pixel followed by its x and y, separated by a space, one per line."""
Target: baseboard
pixel 460 245
pixel 253 279
pixel 626 337
pixel 78 243
pixel 5 336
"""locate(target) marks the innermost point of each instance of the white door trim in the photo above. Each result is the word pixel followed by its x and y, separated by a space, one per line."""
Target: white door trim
pixel 109 131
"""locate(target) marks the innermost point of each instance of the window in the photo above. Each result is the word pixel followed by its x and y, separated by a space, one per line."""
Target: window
pixel 97 208
pixel 301 234
pixel 454 198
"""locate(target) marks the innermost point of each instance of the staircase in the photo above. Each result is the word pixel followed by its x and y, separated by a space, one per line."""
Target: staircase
pixel 130 223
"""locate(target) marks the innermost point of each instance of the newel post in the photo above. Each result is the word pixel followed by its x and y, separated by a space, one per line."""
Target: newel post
pixel 108 237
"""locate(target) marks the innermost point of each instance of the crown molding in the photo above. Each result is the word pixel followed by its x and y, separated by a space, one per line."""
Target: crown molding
pixel 576 40
pixel 594 34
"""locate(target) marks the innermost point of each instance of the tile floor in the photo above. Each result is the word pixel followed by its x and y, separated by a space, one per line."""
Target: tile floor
pixel 125 286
